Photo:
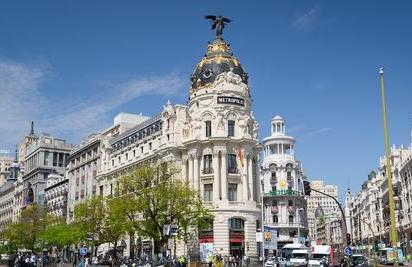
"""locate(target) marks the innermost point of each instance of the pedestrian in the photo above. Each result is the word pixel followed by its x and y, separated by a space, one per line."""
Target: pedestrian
pixel 33 260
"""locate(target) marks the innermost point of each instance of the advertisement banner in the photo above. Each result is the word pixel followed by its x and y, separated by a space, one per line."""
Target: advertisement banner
pixel 206 250
pixel 270 238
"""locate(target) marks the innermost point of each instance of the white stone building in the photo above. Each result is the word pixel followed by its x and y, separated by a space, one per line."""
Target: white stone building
pixel 329 207
pixel 85 161
pixel 5 163
pixel 213 141
pixel 44 156
pixel 7 200
pixel 369 209
pixel 56 192
pixel 284 203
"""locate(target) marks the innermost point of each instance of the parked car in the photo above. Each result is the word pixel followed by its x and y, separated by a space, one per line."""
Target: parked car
pixel 358 260
pixel 270 262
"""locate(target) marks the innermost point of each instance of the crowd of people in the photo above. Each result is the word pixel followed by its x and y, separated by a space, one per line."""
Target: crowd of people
pixel 28 259
pixel 218 260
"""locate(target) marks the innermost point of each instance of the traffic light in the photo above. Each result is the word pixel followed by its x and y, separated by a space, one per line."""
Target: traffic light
pixel 348 240
pixel 306 187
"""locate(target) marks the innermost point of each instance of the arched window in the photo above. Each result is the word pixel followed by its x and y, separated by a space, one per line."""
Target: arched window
pixel 291 218
pixel 236 224
pixel 275 219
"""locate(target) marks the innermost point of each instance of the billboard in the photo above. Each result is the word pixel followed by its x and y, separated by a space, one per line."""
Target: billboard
pixel 270 238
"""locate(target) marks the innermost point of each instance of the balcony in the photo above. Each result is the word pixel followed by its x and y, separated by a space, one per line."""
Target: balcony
pixel 236 203
pixel 233 170
pixel 287 192
pixel 207 171
pixel 290 225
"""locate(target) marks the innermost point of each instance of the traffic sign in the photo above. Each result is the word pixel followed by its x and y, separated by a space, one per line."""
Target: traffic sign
pixel 83 251
pixel 347 251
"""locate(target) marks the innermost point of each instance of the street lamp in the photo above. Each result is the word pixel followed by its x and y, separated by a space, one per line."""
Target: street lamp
pixel 298 213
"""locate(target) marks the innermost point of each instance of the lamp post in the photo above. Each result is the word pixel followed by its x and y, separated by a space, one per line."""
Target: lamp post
pixel 393 232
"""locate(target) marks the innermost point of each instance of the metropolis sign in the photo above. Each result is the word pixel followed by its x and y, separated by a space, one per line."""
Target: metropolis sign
pixel 231 100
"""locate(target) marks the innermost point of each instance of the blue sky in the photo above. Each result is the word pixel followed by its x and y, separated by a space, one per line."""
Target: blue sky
pixel 71 66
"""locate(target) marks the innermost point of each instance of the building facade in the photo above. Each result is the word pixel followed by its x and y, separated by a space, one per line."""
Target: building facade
pixel 5 163
pixel 85 161
pixel 284 203
pixel 369 209
pixel 47 155
pixel 212 141
pixel 56 192
pixel 29 139
pixel 7 200
pixel 329 207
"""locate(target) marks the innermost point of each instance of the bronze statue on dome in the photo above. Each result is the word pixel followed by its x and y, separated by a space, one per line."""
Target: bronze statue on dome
pixel 219 23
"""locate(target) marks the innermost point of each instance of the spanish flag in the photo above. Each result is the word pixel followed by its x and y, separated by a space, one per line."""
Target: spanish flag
pixel 240 156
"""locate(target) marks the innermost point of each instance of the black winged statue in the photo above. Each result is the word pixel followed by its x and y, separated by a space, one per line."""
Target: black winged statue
pixel 219 23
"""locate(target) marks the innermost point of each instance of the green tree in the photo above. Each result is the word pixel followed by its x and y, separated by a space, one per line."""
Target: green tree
pixel 27 231
pixel 89 219
pixel 60 234
pixel 155 198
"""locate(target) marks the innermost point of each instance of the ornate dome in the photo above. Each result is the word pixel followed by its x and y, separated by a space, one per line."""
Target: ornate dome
pixel 218 59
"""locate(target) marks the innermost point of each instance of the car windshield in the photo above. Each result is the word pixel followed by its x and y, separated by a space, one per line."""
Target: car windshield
pixel 319 256
pixel 299 256
pixel 357 259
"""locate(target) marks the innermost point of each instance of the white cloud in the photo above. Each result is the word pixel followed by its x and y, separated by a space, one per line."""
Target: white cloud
pixel 319 131
pixel 21 101
pixel 92 115
pixel 305 20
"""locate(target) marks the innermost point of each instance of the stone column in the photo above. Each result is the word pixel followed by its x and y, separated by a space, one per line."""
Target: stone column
pixel 250 238
pixel 191 171
pixel 250 178
pixel 221 235
pixel 184 167
pixel 245 178
pixel 223 173
pixel 216 184
pixel 196 172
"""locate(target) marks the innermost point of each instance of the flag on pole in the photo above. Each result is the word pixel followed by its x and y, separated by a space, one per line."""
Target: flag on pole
pixel 240 156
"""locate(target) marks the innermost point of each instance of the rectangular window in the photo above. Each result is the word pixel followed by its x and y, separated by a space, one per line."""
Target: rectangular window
pixel 54 159
pixel 290 203
pixel 46 158
pixel 207 164
pixel 231 163
pixel 127 156
pixel 275 219
pixel 150 146
pixel 208 125
pixel 208 192
pixel 231 128
pixel 112 162
pixel 101 190
pixel 232 192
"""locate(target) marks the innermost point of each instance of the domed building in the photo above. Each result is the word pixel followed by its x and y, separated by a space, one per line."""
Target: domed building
pixel 284 204
pixel 213 141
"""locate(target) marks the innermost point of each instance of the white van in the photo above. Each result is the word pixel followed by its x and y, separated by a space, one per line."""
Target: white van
pixel 286 251
pixel 300 257
pixel 320 256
